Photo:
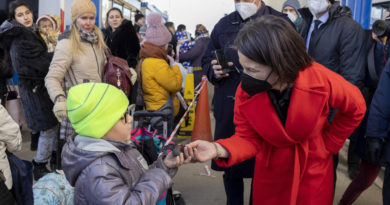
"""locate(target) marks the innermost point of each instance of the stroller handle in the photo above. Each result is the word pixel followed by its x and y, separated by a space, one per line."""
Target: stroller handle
pixel 150 113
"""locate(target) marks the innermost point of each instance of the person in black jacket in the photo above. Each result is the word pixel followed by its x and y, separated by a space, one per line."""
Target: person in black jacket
pixel 378 54
pixel 6 70
pixel 121 37
pixel 377 134
pixel 122 40
pixel 225 86
pixel 336 41
pixel 139 22
pixel 171 28
pixel 29 57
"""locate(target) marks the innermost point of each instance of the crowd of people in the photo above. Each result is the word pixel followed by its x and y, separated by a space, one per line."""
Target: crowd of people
pixel 297 84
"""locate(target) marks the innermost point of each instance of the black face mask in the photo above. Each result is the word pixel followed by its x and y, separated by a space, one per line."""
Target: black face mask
pixel 253 86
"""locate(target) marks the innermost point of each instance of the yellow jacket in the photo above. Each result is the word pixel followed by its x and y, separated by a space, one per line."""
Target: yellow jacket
pixel 158 82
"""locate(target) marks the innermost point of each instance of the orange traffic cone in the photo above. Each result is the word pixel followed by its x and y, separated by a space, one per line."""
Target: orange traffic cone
pixel 202 127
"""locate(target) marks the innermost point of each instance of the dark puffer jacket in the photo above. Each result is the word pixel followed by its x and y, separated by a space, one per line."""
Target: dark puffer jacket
pixel 6 72
pixel 30 59
pixel 339 45
pixel 123 42
pixel 112 172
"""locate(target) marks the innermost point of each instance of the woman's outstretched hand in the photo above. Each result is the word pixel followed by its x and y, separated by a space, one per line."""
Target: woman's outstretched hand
pixel 200 151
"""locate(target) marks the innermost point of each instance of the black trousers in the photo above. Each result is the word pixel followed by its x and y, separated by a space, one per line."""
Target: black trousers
pixel 335 164
pixel 6 197
pixel 353 158
pixel 234 189
pixel 3 98
pixel 386 187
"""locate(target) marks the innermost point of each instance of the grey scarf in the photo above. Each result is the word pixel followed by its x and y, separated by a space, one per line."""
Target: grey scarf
pixel 91 37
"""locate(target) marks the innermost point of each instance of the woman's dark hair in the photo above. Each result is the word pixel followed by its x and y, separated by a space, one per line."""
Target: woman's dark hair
pixel 273 41
pixel 13 5
pixel 181 27
pixel 138 17
pixel 108 14
pixel 169 24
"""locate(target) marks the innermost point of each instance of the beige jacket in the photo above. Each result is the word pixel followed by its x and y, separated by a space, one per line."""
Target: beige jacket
pixel 74 68
pixel 11 140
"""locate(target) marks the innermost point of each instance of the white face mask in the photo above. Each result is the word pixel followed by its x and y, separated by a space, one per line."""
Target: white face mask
pixel 317 6
pixel 292 17
pixel 246 9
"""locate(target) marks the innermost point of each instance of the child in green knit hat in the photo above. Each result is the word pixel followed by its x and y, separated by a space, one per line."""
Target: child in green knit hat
pixel 101 162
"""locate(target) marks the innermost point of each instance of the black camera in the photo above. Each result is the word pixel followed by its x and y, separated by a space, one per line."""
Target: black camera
pixel 381 28
pixel 221 59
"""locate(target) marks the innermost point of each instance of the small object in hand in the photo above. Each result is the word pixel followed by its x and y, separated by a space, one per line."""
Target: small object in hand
pixel 178 149
pixel 222 61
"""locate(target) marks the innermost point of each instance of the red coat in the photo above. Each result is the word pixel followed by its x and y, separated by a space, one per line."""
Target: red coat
pixel 294 162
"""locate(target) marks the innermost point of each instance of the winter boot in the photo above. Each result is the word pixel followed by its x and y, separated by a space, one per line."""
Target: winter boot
pixel 39 170
pixel 34 141
pixel 53 161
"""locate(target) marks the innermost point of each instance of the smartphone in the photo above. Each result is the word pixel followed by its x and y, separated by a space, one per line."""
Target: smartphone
pixel 221 59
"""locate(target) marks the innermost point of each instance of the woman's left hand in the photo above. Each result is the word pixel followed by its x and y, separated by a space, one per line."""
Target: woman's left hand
pixel 200 150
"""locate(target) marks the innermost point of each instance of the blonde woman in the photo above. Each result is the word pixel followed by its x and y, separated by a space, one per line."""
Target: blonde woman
pixel 78 58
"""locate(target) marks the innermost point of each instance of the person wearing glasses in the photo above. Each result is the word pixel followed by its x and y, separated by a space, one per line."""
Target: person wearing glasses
pixel 101 162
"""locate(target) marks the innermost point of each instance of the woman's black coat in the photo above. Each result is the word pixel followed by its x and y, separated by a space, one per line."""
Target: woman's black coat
pixel 123 42
pixel 30 59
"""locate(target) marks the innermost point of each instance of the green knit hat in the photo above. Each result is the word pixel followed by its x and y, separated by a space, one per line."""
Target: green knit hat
pixel 94 108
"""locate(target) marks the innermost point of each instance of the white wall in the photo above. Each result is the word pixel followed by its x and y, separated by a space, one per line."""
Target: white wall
pixel 53 7
pixel 49 7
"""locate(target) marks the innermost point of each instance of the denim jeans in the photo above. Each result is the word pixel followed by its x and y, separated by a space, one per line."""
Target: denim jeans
pixel 46 145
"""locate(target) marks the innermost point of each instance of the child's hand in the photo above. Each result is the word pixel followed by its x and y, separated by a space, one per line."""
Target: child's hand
pixel 172 162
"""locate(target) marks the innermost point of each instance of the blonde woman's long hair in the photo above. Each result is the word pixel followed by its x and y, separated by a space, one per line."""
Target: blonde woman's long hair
pixel 75 39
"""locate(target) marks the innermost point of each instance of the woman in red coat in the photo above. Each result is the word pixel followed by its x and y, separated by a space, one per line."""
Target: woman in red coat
pixel 281 116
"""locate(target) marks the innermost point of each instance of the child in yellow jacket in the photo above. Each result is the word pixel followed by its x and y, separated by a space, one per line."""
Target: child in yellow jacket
pixel 161 77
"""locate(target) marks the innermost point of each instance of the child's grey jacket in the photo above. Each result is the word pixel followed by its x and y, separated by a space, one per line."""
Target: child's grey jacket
pixel 112 172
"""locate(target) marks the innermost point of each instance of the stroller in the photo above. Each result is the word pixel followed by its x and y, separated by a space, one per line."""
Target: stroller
pixel 149 144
